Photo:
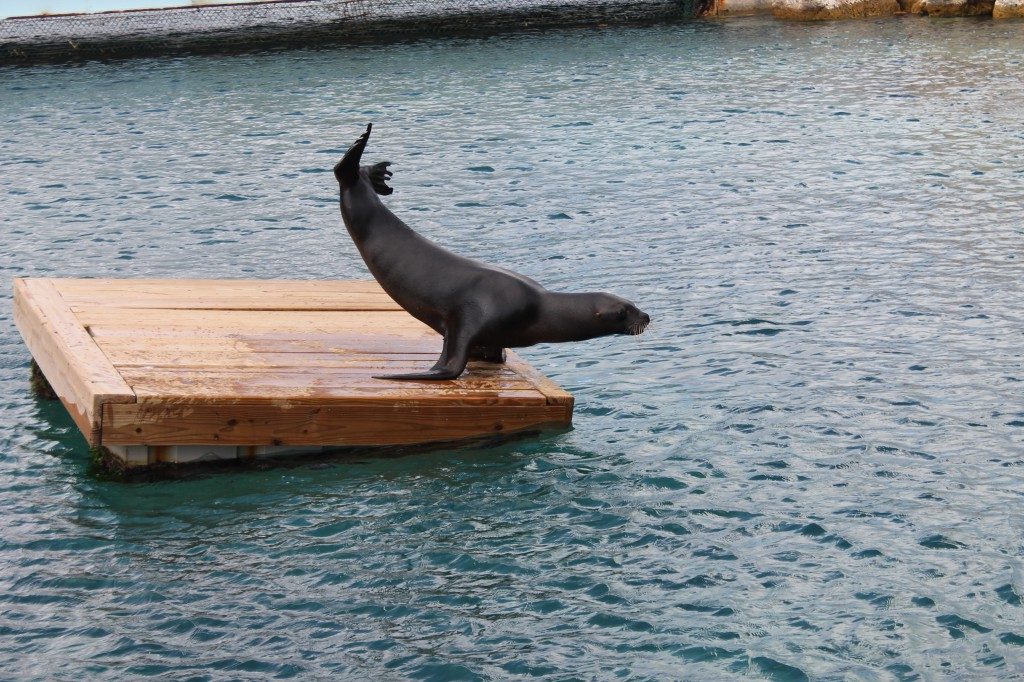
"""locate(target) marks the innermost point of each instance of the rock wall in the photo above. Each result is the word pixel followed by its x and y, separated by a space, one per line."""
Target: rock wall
pixel 1008 9
pixel 823 10
pixel 258 25
pixel 817 10
pixel 737 8
pixel 952 8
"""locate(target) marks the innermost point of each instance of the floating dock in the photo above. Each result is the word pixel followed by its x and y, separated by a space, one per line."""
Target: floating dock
pixel 180 371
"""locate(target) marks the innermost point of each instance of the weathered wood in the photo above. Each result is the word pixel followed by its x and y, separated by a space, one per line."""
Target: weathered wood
pixel 41 388
pixel 225 294
pixel 205 366
pixel 240 302
pixel 556 395
pixel 180 388
pixel 205 321
pixel 327 376
pixel 245 350
pixel 313 423
pixel 80 374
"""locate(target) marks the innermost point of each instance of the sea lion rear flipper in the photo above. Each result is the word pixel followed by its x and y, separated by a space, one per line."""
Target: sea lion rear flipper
pixel 347 170
pixel 379 175
pixel 494 354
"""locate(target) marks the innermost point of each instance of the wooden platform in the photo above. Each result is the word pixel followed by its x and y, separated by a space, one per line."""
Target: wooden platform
pixel 180 370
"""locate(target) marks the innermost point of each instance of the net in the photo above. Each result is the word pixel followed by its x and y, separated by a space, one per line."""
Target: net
pixel 248 25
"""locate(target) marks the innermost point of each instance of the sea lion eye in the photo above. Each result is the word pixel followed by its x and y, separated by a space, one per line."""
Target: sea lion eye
pixel 622 314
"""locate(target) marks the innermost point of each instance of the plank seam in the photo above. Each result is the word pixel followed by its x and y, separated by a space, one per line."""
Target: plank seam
pixel 41 315
pixel 76 309
pixel 88 331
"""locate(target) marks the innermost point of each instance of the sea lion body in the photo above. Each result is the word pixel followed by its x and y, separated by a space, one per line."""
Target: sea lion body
pixel 431 283
pixel 480 309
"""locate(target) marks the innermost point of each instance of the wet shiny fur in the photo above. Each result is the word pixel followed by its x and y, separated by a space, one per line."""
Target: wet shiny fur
pixel 480 309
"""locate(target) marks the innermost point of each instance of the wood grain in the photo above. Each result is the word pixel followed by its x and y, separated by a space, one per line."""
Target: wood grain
pixel 206 321
pixel 312 423
pixel 79 372
pixel 190 294
pixel 262 363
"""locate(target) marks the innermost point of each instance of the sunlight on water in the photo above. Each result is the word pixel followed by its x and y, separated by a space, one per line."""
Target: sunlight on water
pixel 811 465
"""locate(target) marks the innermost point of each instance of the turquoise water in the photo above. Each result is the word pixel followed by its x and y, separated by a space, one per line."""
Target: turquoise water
pixel 810 466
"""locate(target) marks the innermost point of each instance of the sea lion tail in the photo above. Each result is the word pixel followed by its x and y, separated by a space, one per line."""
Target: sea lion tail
pixel 347 170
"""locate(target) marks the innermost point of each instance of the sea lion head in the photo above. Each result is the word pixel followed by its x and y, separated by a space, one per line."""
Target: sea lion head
pixel 615 315
pixel 349 173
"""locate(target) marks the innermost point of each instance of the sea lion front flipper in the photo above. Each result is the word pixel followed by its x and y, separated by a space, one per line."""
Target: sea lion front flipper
pixel 451 363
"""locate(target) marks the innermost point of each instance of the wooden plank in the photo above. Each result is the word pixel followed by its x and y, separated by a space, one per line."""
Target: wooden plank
pixel 476 371
pixel 367 302
pixel 267 341
pixel 312 423
pixel 82 294
pixel 57 338
pixel 150 322
pixel 78 370
pixel 474 378
pixel 124 359
pixel 338 344
pixel 281 396
pixel 225 387
pixel 555 394
pixel 88 423
pixel 270 342
pixel 75 286
pixel 268 350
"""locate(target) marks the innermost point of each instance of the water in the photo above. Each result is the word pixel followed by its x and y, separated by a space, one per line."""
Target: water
pixel 811 465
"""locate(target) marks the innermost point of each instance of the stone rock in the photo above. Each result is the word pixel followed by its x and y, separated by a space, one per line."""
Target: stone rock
pixel 952 8
pixel 1008 9
pixel 734 8
pixel 811 10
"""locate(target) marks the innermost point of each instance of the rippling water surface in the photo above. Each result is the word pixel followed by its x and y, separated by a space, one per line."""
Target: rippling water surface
pixel 810 466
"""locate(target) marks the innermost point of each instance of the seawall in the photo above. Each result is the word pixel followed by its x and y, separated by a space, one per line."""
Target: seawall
pixel 248 26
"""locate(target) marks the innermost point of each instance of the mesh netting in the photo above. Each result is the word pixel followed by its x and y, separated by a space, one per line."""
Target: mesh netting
pixel 259 24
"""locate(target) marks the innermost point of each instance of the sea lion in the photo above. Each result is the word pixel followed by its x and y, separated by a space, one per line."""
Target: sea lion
pixel 480 309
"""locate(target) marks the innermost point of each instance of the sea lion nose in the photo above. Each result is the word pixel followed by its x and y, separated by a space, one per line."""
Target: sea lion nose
pixel 646 318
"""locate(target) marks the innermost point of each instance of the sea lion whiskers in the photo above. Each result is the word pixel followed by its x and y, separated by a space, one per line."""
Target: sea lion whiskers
pixel 638 328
